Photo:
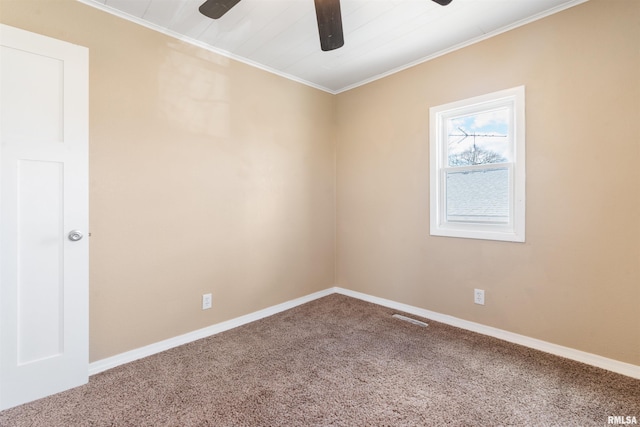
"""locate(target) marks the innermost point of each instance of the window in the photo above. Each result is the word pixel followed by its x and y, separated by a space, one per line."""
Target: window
pixel 477 167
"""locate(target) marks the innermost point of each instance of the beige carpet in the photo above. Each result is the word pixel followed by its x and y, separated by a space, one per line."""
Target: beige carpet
pixel 342 362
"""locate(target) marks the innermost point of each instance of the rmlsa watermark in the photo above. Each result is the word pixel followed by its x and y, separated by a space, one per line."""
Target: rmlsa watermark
pixel 621 420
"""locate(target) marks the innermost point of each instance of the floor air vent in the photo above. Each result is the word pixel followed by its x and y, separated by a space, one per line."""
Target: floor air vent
pixel 410 320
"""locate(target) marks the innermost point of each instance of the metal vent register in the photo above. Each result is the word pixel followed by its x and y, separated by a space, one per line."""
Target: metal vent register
pixel 410 320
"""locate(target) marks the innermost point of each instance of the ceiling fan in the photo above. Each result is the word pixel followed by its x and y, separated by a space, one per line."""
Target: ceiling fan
pixel 327 13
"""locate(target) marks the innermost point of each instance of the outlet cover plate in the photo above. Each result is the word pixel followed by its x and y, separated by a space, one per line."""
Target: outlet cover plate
pixel 478 296
pixel 206 301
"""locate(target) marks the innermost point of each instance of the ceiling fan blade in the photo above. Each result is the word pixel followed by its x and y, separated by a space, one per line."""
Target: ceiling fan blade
pixel 329 24
pixel 214 9
pixel 442 2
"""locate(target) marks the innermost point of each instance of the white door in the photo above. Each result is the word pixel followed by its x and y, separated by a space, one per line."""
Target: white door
pixel 43 198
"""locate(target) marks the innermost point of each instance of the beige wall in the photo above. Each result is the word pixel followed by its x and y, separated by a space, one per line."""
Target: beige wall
pixel 206 175
pixel 576 280
pixel 211 176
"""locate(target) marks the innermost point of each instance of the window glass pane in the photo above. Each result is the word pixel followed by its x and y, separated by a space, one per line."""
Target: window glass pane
pixel 479 138
pixel 478 196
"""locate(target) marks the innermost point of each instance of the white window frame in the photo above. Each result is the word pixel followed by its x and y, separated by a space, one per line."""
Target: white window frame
pixel 514 230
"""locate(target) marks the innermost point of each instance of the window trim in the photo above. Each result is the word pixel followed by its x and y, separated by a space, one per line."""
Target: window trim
pixel 514 230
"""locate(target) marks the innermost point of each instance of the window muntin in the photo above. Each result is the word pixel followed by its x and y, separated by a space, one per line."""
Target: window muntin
pixel 477 167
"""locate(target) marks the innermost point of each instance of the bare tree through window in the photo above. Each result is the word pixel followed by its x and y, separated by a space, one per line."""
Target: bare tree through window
pixel 475 154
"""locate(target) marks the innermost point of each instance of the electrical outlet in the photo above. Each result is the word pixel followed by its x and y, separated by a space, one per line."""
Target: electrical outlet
pixel 206 301
pixel 478 296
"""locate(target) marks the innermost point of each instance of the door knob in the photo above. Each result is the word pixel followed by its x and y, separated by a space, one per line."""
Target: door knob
pixel 75 235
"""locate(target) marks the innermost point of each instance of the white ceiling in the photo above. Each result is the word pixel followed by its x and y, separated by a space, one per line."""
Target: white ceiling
pixel 381 36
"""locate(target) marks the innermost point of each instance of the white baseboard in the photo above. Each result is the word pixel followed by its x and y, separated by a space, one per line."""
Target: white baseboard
pixel 580 356
pixel 558 350
pixel 129 356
